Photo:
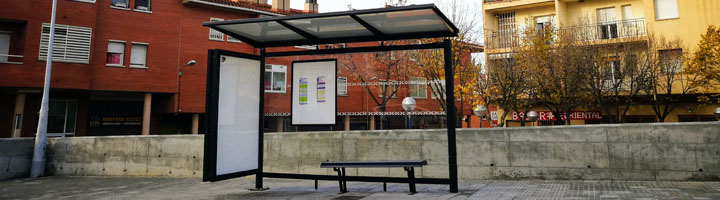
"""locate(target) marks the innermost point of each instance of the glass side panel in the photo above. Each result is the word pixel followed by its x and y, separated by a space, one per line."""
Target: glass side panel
pixel 263 31
pixel 410 21
pixel 331 27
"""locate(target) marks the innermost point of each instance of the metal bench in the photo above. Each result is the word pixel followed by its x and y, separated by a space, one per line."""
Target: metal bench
pixel 408 165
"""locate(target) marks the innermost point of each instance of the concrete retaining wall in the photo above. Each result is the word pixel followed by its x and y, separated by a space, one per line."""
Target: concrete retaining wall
pixel 668 151
pixel 687 151
pixel 15 157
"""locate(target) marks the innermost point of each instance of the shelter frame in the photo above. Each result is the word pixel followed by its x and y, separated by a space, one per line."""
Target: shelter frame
pixel 213 85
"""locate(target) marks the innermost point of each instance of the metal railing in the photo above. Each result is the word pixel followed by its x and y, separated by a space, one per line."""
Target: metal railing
pixel 607 30
pixel 590 32
pixel 11 59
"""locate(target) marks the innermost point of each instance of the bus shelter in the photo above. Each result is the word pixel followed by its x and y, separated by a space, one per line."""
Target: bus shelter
pixel 235 81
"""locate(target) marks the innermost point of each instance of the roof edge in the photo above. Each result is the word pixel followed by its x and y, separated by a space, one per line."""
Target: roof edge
pixel 233 7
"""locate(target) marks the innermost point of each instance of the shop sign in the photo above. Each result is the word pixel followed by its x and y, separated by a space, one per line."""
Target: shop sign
pixel 549 116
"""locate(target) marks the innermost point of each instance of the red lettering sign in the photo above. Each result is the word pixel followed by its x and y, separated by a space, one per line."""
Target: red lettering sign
pixel 549 116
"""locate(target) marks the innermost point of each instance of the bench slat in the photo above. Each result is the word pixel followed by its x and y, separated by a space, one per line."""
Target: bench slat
pixel 372 164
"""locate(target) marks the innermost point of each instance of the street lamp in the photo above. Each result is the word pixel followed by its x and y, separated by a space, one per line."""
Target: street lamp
pixel 177 101
pixel 717 113
pixel 480 111
pixel 532 116
pixel 408 105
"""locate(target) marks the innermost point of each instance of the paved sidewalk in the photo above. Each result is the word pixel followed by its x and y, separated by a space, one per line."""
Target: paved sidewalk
pixel 194 188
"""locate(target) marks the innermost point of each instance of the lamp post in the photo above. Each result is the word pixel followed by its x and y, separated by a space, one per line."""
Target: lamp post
pixel 408 105
pixel 480 111
pixel 532 116
pixel 717 113
pixel 177 101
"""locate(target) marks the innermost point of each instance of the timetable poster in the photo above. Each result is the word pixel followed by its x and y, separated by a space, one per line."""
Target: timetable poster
pixel 314 92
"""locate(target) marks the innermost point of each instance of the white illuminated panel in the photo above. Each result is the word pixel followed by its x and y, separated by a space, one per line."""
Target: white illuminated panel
pixel 314 92
pixel 238 115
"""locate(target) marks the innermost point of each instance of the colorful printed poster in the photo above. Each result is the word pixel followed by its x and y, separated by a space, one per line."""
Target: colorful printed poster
pixel 303 98
pixel 321 89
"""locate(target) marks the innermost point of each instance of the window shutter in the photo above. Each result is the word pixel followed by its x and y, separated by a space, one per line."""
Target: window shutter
pixel 342 86
pixel 71 44
pixel 666 9
pixel 116 47
pixel 137 54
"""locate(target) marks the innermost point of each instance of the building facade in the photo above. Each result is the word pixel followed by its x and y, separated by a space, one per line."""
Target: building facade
pixel 610 22
pixel 116 63
pixel 123 67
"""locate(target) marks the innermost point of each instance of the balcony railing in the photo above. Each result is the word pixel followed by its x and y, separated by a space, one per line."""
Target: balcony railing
pixel 631 28
pixel 11 59
pixel 608 30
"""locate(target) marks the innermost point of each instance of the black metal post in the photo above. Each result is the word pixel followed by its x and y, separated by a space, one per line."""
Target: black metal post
pixel 344 180
pixel 411 179
pixel 261 132
pixel 340 182
pixel 451 116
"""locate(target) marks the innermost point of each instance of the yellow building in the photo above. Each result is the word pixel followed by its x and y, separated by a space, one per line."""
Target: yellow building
pixel 614 21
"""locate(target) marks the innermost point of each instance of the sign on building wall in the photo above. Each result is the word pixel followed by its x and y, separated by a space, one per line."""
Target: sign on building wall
pixel 549 116
pixel 314 92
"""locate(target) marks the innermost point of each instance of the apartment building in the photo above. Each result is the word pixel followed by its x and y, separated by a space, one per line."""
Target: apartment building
pixel 608 22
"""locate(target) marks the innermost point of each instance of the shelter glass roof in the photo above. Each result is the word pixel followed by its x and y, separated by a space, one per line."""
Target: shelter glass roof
pixel 395 23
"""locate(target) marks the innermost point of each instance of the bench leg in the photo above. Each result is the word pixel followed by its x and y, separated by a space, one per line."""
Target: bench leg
pixel 340 179
pixel 411 178
pixel 384 186
pixel 344 180
pixel 316 184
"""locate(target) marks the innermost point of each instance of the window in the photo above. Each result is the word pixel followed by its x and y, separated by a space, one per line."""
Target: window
pixel 214 34
pixel 388 87
pixel 611 74
pixel 4 46
pixel 342 86
pixel 671 60
pixel 544 22
pixel 418 87
pixel 142 5
pixel 61 118
pixel 696 118
pixel 275 78
pixel 71 44
pixel 549 123
pixel 438 88
pixel 627 12
pixel 138 54
pixel 606 23
pixel 666 9
pixel 119 4
pixel 507 31
pixel 232 39
pixel 86 1
pixel 640 119
pixel 115 53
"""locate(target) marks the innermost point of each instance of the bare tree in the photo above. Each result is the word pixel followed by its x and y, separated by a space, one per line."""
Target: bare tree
pixel 379 73
pixel 666 84
pixel 465 16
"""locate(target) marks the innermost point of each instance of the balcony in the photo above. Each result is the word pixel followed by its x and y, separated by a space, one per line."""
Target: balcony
pixel 607 32
pixel 615 31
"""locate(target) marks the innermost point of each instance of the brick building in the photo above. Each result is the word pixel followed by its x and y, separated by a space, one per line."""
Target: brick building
pixel 117 62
